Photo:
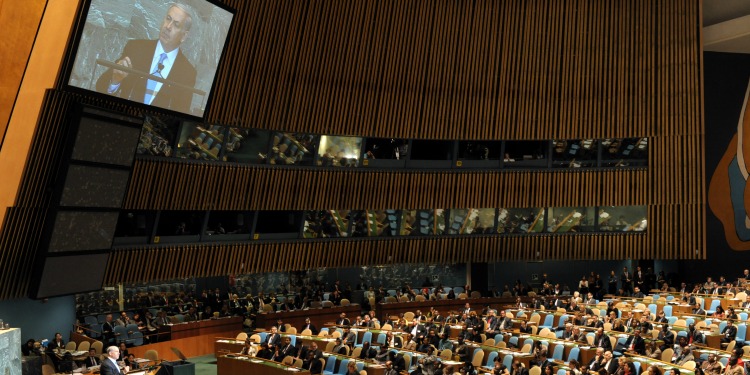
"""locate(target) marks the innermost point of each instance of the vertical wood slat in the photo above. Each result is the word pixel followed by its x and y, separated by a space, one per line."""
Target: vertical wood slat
pixel 220 259
pixel 544 69
pixel 287 69
pixel 217 187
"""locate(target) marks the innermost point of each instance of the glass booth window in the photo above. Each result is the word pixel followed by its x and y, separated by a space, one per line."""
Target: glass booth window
pixel 374 223
pixel 135 223
pixel 526 154
pixel 574 153
pixel 197 142
pixel 623 219
pixel 479 150
pixel 386 148
pixel 423 222
pixel 570 219
pixel 471 221
pixel 339 151
pixel 520 220
pixel 625 152
pixel 292 148
pixel 180 223
pixel 247 146
pixel 431 150
pixel 278 224
pixel 222 223
pixel 326 224
pixel 158 136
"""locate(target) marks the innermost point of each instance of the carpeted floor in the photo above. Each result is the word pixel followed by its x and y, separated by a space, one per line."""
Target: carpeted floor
pixel 204 365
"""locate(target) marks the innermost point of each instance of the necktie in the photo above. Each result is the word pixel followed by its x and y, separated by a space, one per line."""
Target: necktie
pixel 151 85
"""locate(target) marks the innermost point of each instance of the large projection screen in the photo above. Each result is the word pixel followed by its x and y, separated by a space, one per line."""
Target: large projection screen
pixel 168 51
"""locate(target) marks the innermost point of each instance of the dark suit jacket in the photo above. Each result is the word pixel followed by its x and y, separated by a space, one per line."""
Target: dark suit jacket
pixel 639 344
pixel 350 338
pixel 289 350
pixel 88 361
pixel 594 364
pixel 696 335
pixel 446 328
pixel 612 368
pixel 108 331
pixel 604 342
pixel 109 368
pixel 133 87
pixel 667 337
pixel 399 364
pixel 421 332
pixel 316 367
pixel 729 332
pixel 53 345
pixel 367 354
pixel 273 339
pixel 505 323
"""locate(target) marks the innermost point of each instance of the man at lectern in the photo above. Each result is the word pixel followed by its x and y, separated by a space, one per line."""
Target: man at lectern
pixel 161 58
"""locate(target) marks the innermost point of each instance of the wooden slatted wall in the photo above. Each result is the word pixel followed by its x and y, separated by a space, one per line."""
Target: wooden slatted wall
pixel 445 69
pixel 221 259
pixel 515 69
pixel 431 69
pixel 203 186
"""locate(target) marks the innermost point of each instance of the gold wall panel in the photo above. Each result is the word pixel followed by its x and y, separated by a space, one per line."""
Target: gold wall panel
pixel 202 186
pixel 430 69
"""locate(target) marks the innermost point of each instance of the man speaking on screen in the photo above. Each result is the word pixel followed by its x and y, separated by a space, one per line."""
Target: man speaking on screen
pixel 161 58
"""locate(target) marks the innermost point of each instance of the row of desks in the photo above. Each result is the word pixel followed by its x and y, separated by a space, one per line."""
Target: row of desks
pixel 296 318
pixel 586 353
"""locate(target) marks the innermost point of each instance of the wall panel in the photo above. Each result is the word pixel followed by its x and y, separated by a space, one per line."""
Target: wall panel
pixel 436 69
pixel 200 186
pixel 166 262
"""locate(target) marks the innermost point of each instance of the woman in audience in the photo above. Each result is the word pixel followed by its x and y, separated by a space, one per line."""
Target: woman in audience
pixel 653 370
pixel 351 368
pixel 618 326
pixel 730 314
pixel 574 368
pixel 719 313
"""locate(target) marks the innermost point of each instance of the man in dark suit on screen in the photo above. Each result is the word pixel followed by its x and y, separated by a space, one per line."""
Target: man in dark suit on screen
pixel 161 58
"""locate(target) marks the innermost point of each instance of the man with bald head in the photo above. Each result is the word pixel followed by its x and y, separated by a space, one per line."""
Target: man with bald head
pixel 109 364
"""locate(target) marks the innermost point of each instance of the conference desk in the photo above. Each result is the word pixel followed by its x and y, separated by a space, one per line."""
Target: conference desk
pixel 192 338
pixel 371 367
pixel 443 305
pixel 243 365
pixel 585 352
pixel 318 316
pixel 184 330
pixel 523 358
pixel 224 346
pixel 664 366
